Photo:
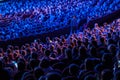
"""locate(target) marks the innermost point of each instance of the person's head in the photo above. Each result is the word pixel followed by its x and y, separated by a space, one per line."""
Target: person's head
pixel 1 51
pixel 28 50
pixel 51 47
pixel 53 76
pixel 106 74
pixel 79 43
pixel 68 53
pixel 102 40
pixel 21 65
pixel 34 49
pixel 28 76
pixel 47 53
pixel 94 43
pixel 96 25
pixel 109 35
pixel 10 47
pixel 1 65
pixel 16 48
pixel 75 50
pixel 118 55
pixel 74 69
pixel 33 63
pixel 90 77
pixel 59 66
pixel 38 72
pixel 105 24
pixel 42 78
pixel 93 52
pixel 69 78
pixel 44 63
pixel 117 75
pixel 81 74
pixel 34 55
pixel 110 41
pixel 107 57
pixel 59 51
pixel 98 68
pixel 83 52
pixel 27 45
pixel 88 64
pixel 47 39
pixel 9 51
pixel 23 52
pixel 107 60
pixel 112 49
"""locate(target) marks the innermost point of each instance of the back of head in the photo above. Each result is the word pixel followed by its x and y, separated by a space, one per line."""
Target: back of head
pixel 1 65
pixel 107 58
pixel 68 53
pixel 69 78
pixel 89 64
pixel 21 65
pixel 28 77
pixel 53 76
pixel 112 49
pixel 59 65
pixel 106 74
pixel 38 72
pixel 45 63
pixel 110 41
pixel 117 75
pixel 34 55
pixel 90 77
pixel 94 43
pixel 82 50
pixel 73 69
pixel 34 63
pixel 102 40
pixel 47 53
pixel 93 52
pixel 98 68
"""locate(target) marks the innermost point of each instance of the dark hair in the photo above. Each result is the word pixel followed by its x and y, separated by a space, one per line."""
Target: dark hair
pixel 59 65
pixel 117 75
pixel 1 65
pixel 94 43
pixel 93 52
pixel 90 77
pixel 107 58
pixel 83 52
pixel 38 72
pixel 21 65
pixel 28 76
pixel 59 51
pixel 47 53
pixel 68 54
pixel 45 63
pixel 53 76
pixel 102 40
pixel 98 68
pixel 106 74
pixel 74 69
pixel 89 64
pixel 33 63
pixel 34 55
pixel 69 78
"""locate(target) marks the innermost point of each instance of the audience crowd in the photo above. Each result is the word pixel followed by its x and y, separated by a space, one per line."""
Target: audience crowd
pixel 88 55
pixel 28 17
